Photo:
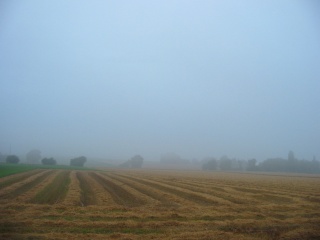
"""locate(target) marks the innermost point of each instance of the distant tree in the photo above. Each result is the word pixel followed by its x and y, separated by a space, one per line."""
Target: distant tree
pixel 78 162
pixel 306 166
pixel 195 161
pixel 49 161
pixel 173 158
pixel 12 159
pixel 134 162
pixel 315 165
pixel 292 165
pixel 291 156
pixel 126 164
pixel 2 158
pixel 210 164
pixel 252 165
pixel 242 165
pixel 274 165
pixel 225 163
pixel 33 157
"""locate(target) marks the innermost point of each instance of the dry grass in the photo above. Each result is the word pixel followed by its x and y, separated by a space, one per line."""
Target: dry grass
pixel 142 204
pixel 55 191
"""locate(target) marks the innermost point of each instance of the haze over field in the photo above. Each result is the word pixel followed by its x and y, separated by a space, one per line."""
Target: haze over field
pixel 112 79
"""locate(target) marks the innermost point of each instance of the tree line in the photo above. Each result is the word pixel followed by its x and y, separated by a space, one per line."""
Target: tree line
pixel 34 157
pixel 290 164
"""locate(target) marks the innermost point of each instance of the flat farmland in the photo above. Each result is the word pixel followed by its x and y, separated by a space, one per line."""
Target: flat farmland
pixel 152 204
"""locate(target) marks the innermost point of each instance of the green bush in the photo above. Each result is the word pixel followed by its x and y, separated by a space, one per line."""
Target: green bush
pixel 49 161
pixel 12 159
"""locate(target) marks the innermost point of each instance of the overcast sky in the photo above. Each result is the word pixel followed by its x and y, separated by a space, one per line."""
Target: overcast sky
pixel 199 78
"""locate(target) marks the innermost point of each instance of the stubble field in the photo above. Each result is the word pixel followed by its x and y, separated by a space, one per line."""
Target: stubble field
pixel 141 204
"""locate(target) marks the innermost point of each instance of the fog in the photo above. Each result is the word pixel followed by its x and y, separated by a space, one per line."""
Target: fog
pixel 111 79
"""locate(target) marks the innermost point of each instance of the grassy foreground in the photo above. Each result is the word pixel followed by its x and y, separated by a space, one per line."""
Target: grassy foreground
pixel 138 204
pixel 7 169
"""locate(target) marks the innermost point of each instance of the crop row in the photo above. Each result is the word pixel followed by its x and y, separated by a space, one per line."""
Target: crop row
pixel 55 191
pixel 133 190
pixel 137 204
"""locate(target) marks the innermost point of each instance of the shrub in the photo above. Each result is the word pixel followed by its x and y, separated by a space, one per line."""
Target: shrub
pixel 12 159
pixel 252 165
pixel 49 161
pixel 78 162
pixel 135 162
pixel 225 163
pixel 211 164
pixel 33 156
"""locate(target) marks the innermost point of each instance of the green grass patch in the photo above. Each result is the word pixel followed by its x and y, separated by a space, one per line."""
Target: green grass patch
pixel 7 169
pixel 63 167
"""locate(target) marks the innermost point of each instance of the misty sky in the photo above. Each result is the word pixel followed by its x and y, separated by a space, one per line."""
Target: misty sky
pixel 199 78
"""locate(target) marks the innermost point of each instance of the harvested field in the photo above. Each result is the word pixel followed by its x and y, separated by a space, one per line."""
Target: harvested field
pixel 140 204
pixel 55 191
pixel 87 192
